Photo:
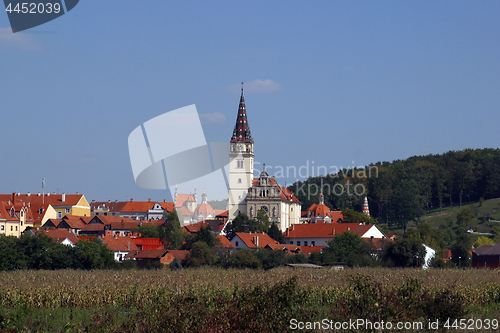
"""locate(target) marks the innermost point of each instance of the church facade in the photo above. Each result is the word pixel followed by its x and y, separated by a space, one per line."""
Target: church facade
pixel 248 194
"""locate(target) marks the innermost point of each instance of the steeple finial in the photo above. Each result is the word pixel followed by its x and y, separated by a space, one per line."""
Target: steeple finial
pixel 241 88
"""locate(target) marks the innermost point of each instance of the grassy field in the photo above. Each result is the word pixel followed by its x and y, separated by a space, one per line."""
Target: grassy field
pixel 217 300
pixel 449 215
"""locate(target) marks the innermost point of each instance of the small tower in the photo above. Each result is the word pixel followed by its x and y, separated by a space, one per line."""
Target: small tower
pixel 366 209
pixel 321 198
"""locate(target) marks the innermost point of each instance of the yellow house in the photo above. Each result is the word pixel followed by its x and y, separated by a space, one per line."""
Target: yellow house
pixel 50 206
pixel 14 218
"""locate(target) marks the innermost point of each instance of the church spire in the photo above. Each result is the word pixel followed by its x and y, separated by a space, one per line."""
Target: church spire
pixel 241 132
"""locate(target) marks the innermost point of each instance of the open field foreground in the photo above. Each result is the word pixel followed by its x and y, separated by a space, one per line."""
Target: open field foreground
pixel 216 300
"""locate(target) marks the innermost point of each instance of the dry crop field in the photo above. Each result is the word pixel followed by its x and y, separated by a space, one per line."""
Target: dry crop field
pixel 219 300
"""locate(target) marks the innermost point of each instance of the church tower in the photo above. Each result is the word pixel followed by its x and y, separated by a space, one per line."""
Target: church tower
pixel 241 165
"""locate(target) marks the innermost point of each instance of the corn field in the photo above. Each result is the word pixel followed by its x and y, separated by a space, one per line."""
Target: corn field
pixel 219 300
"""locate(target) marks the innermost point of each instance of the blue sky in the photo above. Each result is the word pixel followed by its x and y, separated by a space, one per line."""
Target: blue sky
pixel 328 81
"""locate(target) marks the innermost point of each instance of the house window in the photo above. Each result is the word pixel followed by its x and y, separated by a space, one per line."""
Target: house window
pixel 237 243
pixel 67 210
pixel 59 215
pixel 2 228
pixel 239 180
pixel 305 243
pixel 239 164
pixel 298 243
pixel 11 228
pixel 291 242
pixel 251 211
pixel 16 227
pixel 313 243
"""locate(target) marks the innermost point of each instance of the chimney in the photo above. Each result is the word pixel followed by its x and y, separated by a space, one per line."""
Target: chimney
pixel 39 194
pixel 48 194
pixel 131 199
pixel 28 194
pixel 13 197
pixel 63 197
pixel 256 240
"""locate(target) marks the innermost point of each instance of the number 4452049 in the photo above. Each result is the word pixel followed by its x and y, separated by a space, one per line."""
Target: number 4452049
pixel 34 8
pixel 471 324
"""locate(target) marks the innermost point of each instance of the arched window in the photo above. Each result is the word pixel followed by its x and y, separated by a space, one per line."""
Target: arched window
pixel 274 212
pixel 251 211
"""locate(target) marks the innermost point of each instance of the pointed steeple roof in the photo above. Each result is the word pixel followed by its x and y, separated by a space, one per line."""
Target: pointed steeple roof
pixel 241 132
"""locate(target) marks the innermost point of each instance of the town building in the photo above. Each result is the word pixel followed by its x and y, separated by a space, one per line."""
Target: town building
pixel 248 195
pixel 137 210
pixel 319 234
pixel 15 217
pixel 486 256
pixel 50 206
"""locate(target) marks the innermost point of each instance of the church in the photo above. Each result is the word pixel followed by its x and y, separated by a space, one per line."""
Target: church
pixel 248 194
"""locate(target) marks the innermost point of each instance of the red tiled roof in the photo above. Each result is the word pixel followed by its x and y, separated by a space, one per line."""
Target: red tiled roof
pixel 224 242
pixel 92 227
pixel 147 243
pixel 87 238
pixel 336 215
pixel 147 254
pixel 60 235
pixel 39 201
pixel 7 206
pixel 310 249
pixel 222 214
pixel 179 254
pixel 181 199
pixel 288 247
pixel 185 211
pixel 378 243
pixel 204 209
pixel 250 239
pixel 71 224
pixel 112 206
pixel 324 230
pixel 194 228
pixel 123 244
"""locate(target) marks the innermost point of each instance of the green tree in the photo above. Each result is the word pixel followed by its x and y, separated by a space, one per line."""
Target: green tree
pixel 275 233
pixel 94 255
pixel 351 216
pixel 271 258
pixel 406 203
pixel 201 255
pixel 243 224
pixel 12 255
pixel 464 217
pixel 350 249
pixel 460 250
pixel 244 258
pixel 203 235
pixel 147 231
pixel 404 252
pixel 171 233
pixel 482 240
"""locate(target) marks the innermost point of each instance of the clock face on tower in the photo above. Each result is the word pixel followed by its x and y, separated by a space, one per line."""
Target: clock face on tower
pixel 240 147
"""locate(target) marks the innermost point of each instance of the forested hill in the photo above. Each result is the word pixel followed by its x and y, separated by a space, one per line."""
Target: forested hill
pixel 402 190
